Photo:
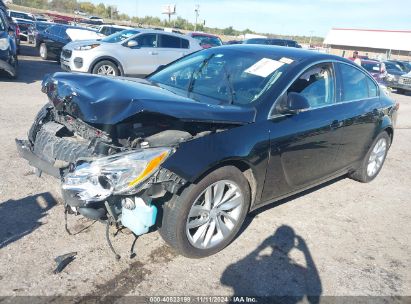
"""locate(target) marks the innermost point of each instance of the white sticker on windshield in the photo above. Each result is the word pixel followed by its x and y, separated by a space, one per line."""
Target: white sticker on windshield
pixel 264 67
pixel 286 60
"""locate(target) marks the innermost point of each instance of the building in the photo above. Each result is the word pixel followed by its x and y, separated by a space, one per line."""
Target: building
pixel 377 44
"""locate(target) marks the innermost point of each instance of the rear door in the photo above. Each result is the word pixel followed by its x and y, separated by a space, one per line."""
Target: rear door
pixel 141 59
pixel 359 106
pixel 171 48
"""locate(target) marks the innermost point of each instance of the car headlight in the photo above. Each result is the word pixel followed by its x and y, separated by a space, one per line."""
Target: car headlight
pixel 4 44
pixel 121 173
pixel 86 47
pixel 390 77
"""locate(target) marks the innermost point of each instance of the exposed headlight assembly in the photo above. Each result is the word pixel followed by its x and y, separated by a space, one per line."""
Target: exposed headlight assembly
pixel 117 174
pixel 86 47
pixel 4 44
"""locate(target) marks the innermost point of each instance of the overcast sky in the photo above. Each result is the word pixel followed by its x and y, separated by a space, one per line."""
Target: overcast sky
pixel 295 17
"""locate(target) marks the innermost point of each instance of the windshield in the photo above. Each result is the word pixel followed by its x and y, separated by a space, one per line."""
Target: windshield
pixel 222 76
pixel 206 40
pixel 120 36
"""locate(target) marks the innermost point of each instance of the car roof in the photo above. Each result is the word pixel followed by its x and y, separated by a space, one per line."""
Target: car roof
pixel 293 53
pixel 144 30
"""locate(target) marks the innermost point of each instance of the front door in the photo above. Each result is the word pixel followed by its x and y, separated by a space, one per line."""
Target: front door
pixel 141 59
pixel 304 146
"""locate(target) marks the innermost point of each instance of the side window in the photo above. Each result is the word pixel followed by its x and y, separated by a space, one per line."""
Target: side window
pixel 354 83
pixel 147 40
pixel 105 30
pixel 317 85
pixel 372 88
pixel 185 44
pixel 170 42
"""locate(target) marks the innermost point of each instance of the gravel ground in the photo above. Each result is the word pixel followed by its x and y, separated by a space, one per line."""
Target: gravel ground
pixel 354 238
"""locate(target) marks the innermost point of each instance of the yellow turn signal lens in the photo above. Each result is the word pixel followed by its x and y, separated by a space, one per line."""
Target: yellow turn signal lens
pixel 151 166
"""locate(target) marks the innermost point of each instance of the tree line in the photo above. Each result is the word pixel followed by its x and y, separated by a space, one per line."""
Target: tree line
pixel 111 12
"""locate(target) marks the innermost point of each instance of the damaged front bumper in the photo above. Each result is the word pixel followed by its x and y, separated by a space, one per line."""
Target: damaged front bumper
pixel 119 188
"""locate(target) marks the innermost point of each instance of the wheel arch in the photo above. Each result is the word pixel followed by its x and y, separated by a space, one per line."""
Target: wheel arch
pixel 386 126
pixel 108 58
pixel 241 165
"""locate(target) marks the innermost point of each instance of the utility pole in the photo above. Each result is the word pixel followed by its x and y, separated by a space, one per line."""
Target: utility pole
pixel 196 10
pixel 311 36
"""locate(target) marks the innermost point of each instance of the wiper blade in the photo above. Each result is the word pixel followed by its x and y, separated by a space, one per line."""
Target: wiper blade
pixel 192 79
pixel 230 85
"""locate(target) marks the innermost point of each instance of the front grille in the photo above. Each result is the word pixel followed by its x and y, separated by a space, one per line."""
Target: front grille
pixel 66 53
pixel 405 80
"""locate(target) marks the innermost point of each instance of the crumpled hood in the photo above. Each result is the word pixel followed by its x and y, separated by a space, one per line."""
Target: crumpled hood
pixel 110 100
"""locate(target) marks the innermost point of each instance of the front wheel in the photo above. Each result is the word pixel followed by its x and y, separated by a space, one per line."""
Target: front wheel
pixel 107 68
pixel 373 160
pixel 206 217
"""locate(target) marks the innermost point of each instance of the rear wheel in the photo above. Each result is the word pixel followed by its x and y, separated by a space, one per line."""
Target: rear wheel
pixel 106 67
pixel 373 161
pixel 43 52
pixel 206 217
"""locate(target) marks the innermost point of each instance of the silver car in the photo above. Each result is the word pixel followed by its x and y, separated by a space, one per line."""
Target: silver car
pixel 133 52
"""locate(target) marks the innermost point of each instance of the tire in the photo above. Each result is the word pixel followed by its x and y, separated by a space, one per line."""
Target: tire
pixel 176 221
pixel 43 51
pixel 106 67
pixel 363 174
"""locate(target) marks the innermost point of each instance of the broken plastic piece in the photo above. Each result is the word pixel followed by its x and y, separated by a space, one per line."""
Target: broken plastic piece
pixel 63 260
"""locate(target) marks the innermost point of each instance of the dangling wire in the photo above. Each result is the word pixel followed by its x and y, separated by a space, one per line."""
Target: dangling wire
pixel 118 257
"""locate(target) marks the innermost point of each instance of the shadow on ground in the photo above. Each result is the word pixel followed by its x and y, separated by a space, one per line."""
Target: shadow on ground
pixel 270 271
pixel 31 67
pixel 21 217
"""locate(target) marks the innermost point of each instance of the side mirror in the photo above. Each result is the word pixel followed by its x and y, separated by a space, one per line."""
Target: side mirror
pixel 132 43
pixel 296 103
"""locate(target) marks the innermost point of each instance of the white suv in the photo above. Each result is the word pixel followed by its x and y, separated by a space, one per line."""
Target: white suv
pixel 135 52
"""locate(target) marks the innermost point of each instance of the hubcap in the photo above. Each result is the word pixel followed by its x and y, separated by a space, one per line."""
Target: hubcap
pixel 214 214
pixel 377 157
pixel 106 70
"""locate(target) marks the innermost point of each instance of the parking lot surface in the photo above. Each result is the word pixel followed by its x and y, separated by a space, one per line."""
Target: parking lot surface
pixel 354 239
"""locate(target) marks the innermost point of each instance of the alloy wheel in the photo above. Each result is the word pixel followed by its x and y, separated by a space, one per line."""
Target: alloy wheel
pixel 106 70
pixel 214 214
pixel 377 157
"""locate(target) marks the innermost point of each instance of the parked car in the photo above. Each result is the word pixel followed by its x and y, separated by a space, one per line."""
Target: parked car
pixel 404 65
pixel 206 40
pixel 8 47
pixel 272 41
pixel 95 20
pixel 24 26
pixel 208 139
pixel 35 29
pixel 233 42
pixel 107 30
pixel 394 71
pixel 376 69
pixel 136 52
pixel 52 40
pixel 21 15
pixel 404 84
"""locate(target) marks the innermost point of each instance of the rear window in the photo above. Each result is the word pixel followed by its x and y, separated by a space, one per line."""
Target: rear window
pixel 21 15
pixel 168 41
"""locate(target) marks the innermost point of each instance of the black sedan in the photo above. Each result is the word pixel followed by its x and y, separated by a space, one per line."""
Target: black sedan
pixel 34 30
pixel 52 40
pixel 208 138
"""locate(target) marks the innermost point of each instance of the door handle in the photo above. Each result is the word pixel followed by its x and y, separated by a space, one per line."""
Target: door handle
pixel 153 53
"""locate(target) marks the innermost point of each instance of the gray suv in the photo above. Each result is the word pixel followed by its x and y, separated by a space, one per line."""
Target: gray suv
pixel 133 52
